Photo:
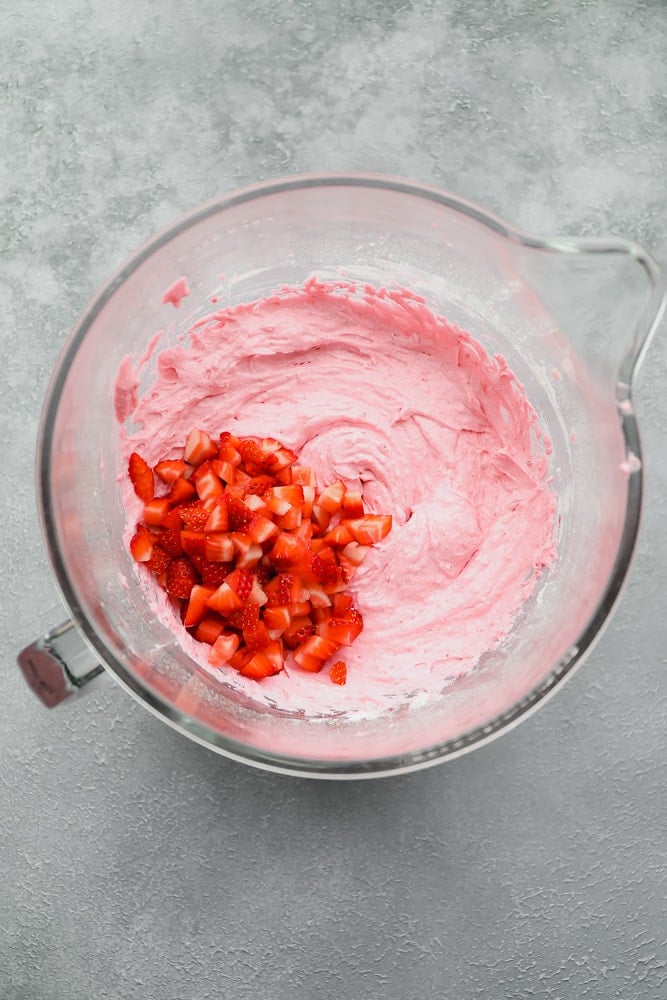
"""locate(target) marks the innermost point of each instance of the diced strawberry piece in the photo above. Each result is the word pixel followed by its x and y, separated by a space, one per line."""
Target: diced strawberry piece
pixel 194 515
pixel 324 568
pixel 274 652
pixel 218 519
pixel 209 629
pixel 240 658
pixel 291 494
pixel 244 618
pixel 342 631
pixel 256 504
pixel 318 596
pixel 181 491
pixel 277 506
pixel 197 606
pixel 353 505
pixel 257 594
pixel 338 673
pixel 308 500
pixel 331 498
pixel 338 536
pixel 277 619
pixel 141 477
pixel 241 582
pixel 299 608
pixel 256 636
pixel 226 472
pixel 291 520
pixel 141 545
pixel 193 542
pixel 169 470
pixel 318 615
pixel 219 548
pixel 155 510
pixel 261 529
pixel 214 573
pixel 208 486
pixel 258 485
pixel 248 553
pixel 240 516
pixel 284 477
pixel 303 475
pixel 321 517
pixel 341 604
pixel 288 550
pixel 369 529
pixel 354 553
pixel 258 666
pixel 181 578
pixel 224 599
pixel 199 447
pixel 299 629
pixel 312 654
pixel 283 458
pixel 228 450
pixel 256 459
pixel 223 648
pixel 159 561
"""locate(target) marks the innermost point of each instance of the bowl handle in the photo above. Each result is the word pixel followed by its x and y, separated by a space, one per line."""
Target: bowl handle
pixel 58 665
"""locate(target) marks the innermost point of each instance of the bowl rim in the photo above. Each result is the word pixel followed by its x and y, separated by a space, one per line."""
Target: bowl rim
pixel 559 672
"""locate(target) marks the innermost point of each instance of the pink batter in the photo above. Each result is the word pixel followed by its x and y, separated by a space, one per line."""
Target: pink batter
pixel 370 386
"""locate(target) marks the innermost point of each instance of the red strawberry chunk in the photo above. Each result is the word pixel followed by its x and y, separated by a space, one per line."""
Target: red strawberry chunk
pixel 209 629
pixel 239 515
pixel 141 545
pixel 199 447
pixel 331 498
pixel 257 636
pixel 244 618
pixel 341 604
pixel 288 550
pixel 224 599
pixel 277 619
pixel 159 561
pixel 181 578
pixel 181 491
pixel 218 548
pixel 169 470
pixel 369 529
pixel 209 486
pixel 214 573
pixel 194 515
pixel 197 606
pixel 264 663
pixel 218 519
pixel 155 510
pixel 141 477
pixel 223 648
pixel 342 631
pixel 299 629
pixel 312 654
pixel 241 583
pixel 193 542
pixel 338 673
pixel 353 504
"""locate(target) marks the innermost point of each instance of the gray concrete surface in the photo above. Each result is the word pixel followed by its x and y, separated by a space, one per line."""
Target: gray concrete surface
pixel 135 864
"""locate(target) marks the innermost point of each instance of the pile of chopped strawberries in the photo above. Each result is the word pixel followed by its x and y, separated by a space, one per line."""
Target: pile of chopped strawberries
pixel 259 558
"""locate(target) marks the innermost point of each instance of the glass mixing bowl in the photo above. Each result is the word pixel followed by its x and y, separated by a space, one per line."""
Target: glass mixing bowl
pixel 572 317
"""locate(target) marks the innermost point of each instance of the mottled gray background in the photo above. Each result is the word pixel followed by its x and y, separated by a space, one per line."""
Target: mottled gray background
pixel 135 864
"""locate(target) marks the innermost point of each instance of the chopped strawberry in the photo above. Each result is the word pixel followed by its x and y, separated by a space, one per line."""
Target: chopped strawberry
pixel 288 550
pixel 223 648
pixel 331 497
pixel 224 599
pixel 155 511
pixel 169 470
pixel 341 604
pixel 193 542
pixel 239 515
pixel 261 529
pixel 369 529
pixel 291 520
pixel 214 573
pixel 338 536
pixel 277 619
pixel 141 545
pixel 256 636
pixel 325 571
pixel 353 504
pixel 181 577
pixel 197 606
pixel 248 553
pixel 312 654
pixel 141 477
pixel 338 673
pixel 194 515
pixel 209 486
pixel 218 548
pixel 209 629
pixel 159 561
pixel 255 458
pixel 241 583
pixel 199 447
pixel 244 618
pixel 299 629
pixel 303 475
pixel 342 631
pixel 218 519
pixel 228 449
pixel 181 491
